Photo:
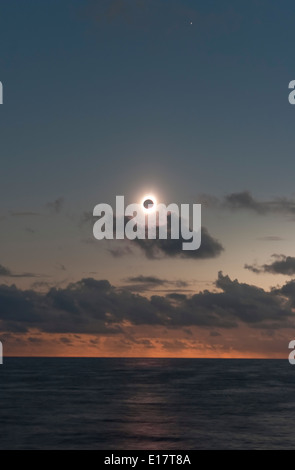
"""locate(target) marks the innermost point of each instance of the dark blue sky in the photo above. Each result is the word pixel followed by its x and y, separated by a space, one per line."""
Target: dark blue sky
pixel 193 108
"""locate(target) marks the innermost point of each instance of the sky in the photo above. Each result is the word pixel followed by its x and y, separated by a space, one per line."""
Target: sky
pixel 186 100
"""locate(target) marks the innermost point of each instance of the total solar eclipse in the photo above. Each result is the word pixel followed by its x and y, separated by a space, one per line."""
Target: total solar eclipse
pixel 148 204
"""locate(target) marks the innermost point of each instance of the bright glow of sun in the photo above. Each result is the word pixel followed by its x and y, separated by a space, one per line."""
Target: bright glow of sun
pixel 149 203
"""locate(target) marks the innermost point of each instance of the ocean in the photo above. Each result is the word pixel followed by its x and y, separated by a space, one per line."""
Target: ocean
pixel 146 404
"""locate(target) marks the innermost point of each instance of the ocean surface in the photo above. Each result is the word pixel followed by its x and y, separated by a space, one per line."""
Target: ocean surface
pixel 148 404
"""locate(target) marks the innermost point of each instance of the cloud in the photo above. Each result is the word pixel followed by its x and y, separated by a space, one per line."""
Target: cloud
pixel 245 201
pixel 287 290
pixel 158 249
pixel 144 283
pixel 253 267
pixel 174 345
pixel 177 297
pixel 120 251
pixel 56 206
pixel 92 306
pixel 5 272
pixel 282 265
pixel 34 339
pixel 65 340
pixel 41 285
pixel 147 279
pixel 251 304
pixel 60 267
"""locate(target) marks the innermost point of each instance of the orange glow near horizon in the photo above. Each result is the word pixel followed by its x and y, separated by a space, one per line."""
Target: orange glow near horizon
pixel 36 344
